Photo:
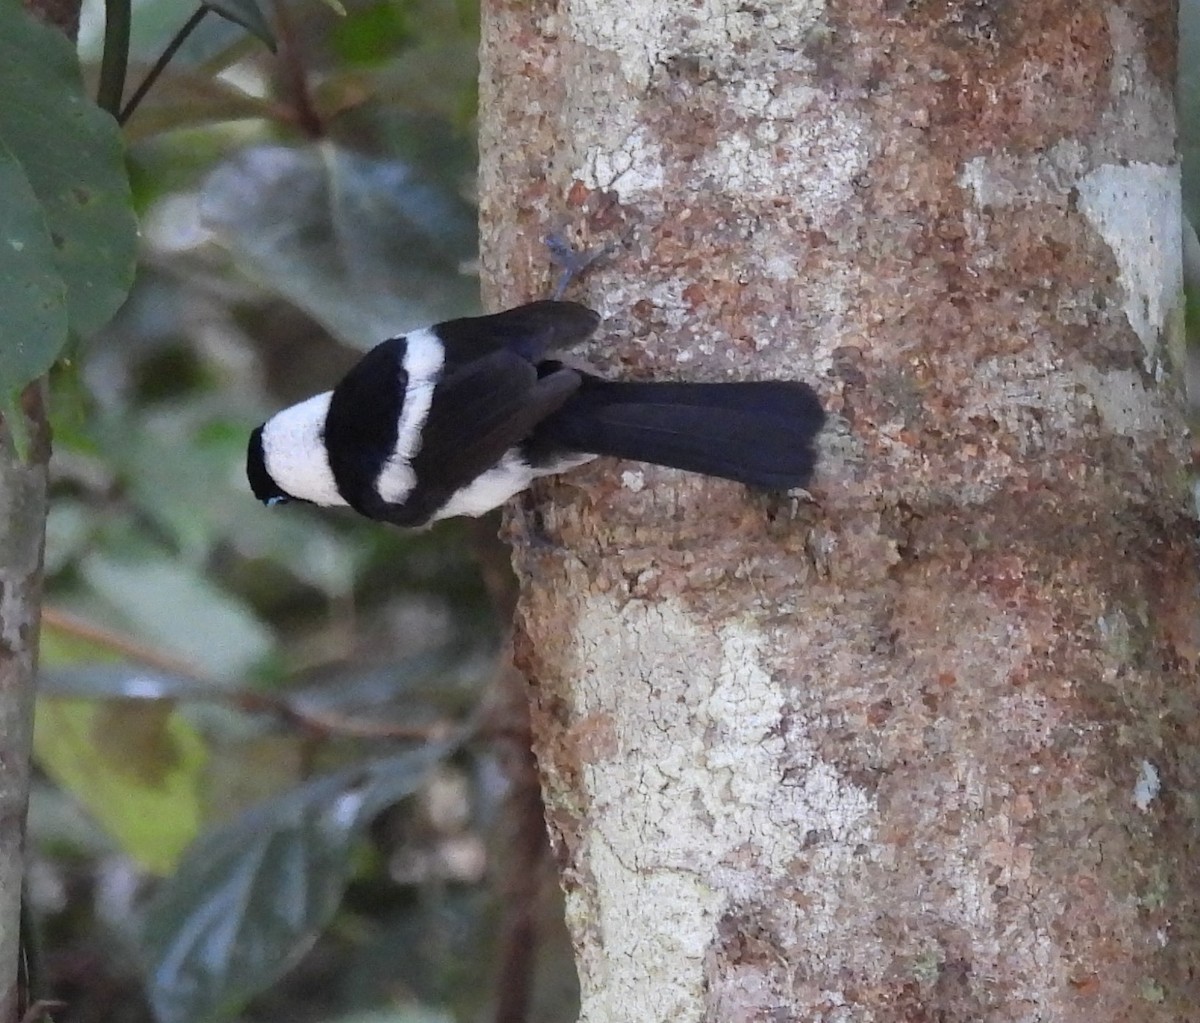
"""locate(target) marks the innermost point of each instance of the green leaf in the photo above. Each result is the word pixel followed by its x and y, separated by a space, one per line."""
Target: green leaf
pixel 13 423
pixel 32 295
pixel 249 898
pixel 249 15
pixel 71 154
pixel 367 247
pixel 372 34
pixel 69 530
pixel 168 603
pixel 187 495
pixel 136 766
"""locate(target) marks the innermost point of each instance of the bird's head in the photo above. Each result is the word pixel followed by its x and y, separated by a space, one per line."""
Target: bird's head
pixel 286 459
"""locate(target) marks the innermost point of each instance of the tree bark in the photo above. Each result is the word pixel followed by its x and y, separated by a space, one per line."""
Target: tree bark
pixel 926 747
pixel 22 532
pixel 23 508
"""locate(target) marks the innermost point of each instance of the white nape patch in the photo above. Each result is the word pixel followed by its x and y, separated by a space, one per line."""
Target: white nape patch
pixel 1148 785
pixel 294 451
pixel 490 489
pixel 423 359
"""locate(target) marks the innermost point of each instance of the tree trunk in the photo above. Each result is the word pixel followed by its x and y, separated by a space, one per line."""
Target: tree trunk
pixel 23 507
pixel 22 530
pixel 926 747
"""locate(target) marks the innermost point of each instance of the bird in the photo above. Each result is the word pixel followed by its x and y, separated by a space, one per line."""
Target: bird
pixel 457 418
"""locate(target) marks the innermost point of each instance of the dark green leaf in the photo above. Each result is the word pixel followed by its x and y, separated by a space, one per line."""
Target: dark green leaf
pixel 71 154
pixel 33 328
pixel 170 604
pixel 368 247
pixel 248 14
pixel 249 898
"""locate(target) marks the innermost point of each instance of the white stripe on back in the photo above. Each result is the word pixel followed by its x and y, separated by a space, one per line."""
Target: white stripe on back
pixel 423 359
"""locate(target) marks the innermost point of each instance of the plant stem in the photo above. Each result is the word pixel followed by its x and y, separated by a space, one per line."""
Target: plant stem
pixel 160 65
pixel 295 75
pixel 115 61
pixel 320 721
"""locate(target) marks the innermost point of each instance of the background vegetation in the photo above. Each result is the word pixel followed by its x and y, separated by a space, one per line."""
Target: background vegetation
pixel 269 783
pixel 271 780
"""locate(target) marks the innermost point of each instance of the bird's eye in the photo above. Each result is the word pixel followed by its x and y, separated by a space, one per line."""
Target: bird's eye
pixel 270 502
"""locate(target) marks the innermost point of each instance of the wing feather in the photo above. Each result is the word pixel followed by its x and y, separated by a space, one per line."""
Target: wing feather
pixel 479 412
pixel 529 330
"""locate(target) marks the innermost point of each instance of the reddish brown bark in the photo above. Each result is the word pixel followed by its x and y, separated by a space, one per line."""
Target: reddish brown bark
pixel 924 748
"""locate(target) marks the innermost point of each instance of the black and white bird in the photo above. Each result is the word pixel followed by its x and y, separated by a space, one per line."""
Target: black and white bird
pixel 456 418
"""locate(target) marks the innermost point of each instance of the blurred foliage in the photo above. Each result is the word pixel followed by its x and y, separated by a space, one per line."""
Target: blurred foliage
pixel 269 785
pixel 269 881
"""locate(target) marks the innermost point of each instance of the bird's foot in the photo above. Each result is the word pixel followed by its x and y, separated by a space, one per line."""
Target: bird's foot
pixel 573 264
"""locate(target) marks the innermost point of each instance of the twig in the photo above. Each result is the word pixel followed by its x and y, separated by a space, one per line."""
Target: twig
pixel 522 832
pixel 117 642
pixel 295 75
pixel 160 65
pixel 319 722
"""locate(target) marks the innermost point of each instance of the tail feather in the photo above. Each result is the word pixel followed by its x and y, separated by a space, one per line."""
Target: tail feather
pixel 759 433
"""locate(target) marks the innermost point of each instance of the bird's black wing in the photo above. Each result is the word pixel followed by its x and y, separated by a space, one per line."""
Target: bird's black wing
pixel 479 411
pixel 529 331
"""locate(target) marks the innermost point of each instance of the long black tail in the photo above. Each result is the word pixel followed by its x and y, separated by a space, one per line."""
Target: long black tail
pixel 760 433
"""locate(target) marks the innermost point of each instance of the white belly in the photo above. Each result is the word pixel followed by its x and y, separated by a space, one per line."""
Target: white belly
pixel 509 476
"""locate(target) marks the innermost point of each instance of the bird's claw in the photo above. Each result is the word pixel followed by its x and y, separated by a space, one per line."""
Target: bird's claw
pixel 574 264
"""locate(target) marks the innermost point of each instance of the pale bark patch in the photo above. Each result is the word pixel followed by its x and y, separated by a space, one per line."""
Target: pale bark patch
pixel 644 34
pixel 791 142
pixel 1122 401
pixel 1136 210
pixel 724 785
